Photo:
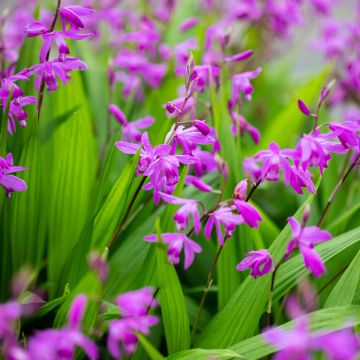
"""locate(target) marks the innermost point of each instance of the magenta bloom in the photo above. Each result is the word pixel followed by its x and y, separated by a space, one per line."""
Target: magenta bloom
pixel 190 137
pixel 241 84
pixel 251 216
pixel 10 183
pixel 197 183
pixel 60 344
pixel 148 154
pixel 347 133
pixel 136 303
pixel 240 125
pixel 188 24
pixel 177 242
pixel 260 262
pixel 188 208
pixel 72 14
pixel 314 150
pixel 299 343
pixel 52 69
pixel 304 108
pixel 130 130
pixel 305 238
pixel 134 307
pixel 225 217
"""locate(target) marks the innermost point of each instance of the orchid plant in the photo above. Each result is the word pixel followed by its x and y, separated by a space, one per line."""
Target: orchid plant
pixel 171 188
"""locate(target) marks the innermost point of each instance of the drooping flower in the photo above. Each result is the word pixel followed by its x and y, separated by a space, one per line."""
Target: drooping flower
pixel 58 344
pixel 10 183
pixel 241 85
pixel 225 217
pixel 130 130
pixel 178 242
pixel 347 133
pixel 197 183
pixel 260 262
pixel 305 238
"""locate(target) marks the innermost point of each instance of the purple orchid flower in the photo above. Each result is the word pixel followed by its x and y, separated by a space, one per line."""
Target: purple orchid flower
pixel 177 242
pixel 223 216
pixel 10 183
pixel 347 133
pixel 148 154
pixel 298 343
pixel 305 238
pixel 188 208
pixel 72 14
pixel 314 150
pixel 205 162
pixel 251 216
pixel 134 307
pixel 197 183
pixel 240 125
pixel 130 130
pixel 49 70
pixel 241 84
pixel 61 343
pixel 190 137
pixel 136 303
pixel 260 262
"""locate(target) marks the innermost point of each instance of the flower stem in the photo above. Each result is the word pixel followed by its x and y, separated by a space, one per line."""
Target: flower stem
pixel 128 210
pixel 209 282
pixel 271 291
pixel 42 84
pixel 211 273
pixel 336 189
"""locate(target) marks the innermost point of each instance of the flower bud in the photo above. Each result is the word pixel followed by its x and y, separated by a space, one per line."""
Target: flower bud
pixel 303 108
pixel 118 114
pixel 98 264
pixel 202 127
pixel 170 107
pixel 240 190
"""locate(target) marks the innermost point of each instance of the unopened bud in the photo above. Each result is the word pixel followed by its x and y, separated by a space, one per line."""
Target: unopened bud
pixel 240 190
pixel 325 92
pixel 303 108
pixel 202 127
pixel 98 264
pixel 118 114
pixel 192 87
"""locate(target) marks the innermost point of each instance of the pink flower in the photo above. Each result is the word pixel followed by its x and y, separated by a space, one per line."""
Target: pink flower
pixel 260 262
pixel 298 343
pixel 347 133
pixel 251 216
pixel 188 208
pixel 10 183
pixel 225 217
pixel 178 242
pixel 188 24
pixel 137 302
pixel 134 307
pixel 189 138
pixel 305 238
pixel 60 344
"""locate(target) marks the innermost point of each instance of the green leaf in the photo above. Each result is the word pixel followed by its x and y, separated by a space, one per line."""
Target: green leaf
pixel 72 166
pixel 173 308
pixel 202 354
pixel 325 321
pixel 27 210
pixel 344 291
pixel 115 205
pixel 150 350
pixel 240 317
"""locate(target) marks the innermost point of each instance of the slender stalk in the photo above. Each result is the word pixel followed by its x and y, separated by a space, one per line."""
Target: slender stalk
pixel 337 188
pixel 42 84
pixel 128 210
pixel 211 273
pixel 209 282
pixel 271 291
